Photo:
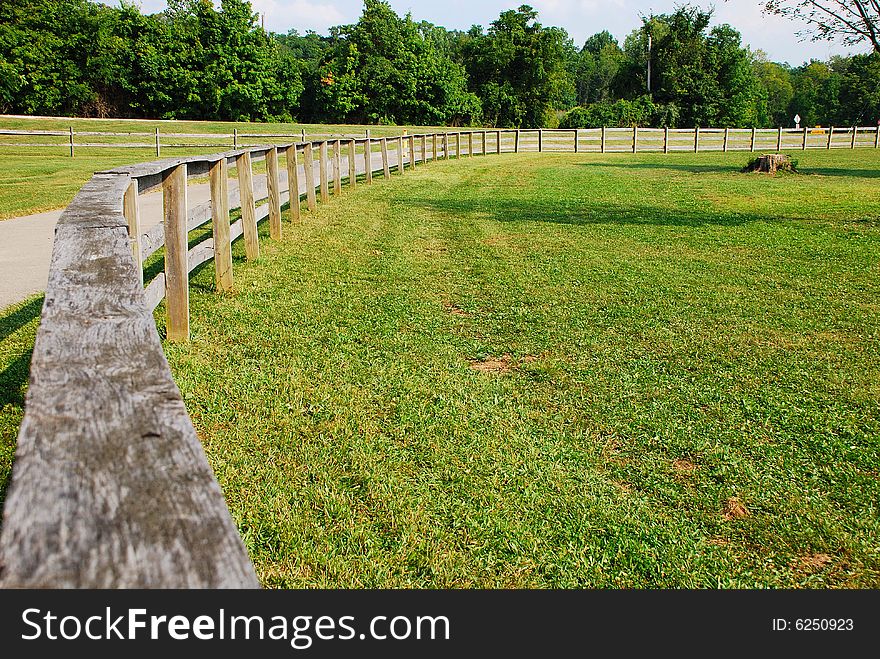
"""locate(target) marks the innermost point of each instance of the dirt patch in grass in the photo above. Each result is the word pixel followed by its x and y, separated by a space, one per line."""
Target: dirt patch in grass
pixel 499 365
pixel 811 563
pixel 684 466
pixel 734 509
pixel 454 309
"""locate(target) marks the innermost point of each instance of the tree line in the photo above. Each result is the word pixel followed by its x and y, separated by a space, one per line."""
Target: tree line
pixel 198 61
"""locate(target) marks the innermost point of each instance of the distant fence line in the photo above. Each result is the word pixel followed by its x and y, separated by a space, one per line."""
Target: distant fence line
pixel 583 140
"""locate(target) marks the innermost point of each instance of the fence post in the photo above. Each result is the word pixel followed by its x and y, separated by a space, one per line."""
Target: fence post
pixel 831 135
pixel 458 145
pixel 322 171
pixel 434 147
pixel 696 139
pixel 445 146
pixel 368 159
pixel 483 152
pixel 666 139
pixel 726 139
pixel 337 167
pixel 804 146
pixel 424 148
pixel 498 142
pixel 303 134
pixel 412 152
pixel 71 141
pixel 293 183
pixel 248 210
pixel 752 147
pixel 575 140
pixel 176 254
pixel 470 144
pixel 352 164
pixel 853 144
pixel 779 140
pixel 220 225
pixel 235 138
pixel 274 193
pixel 386 168
pixel 877 137
pixel 400 167
pixel 309 169
pixel 602 143
pixel 158 144
pixel 635 139
pixel 132 214
pixel 540 140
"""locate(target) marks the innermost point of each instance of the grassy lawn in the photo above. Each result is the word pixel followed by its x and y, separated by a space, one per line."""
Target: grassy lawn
pixel 556 371
pixel 18 327
pixel 58 177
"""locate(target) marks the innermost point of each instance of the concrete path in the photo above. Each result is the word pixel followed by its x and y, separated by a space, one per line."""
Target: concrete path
pixel 26 242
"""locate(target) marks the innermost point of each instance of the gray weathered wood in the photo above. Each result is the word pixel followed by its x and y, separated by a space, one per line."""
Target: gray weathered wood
pixel 352 164
pixel 154 292
pixel 434 147
pixel 110 486
pixel 176 270
pixel 400 154
pixel 412 152
pixel 484 143
pixel 470 144
pixel 457 146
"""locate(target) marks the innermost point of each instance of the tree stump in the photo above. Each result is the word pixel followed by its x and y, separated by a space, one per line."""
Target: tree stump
pixel 770 163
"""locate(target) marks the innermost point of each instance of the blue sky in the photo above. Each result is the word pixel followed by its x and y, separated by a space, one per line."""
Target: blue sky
pixel 581 18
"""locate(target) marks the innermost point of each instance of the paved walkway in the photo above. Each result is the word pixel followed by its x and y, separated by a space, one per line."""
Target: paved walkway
pixel 26 242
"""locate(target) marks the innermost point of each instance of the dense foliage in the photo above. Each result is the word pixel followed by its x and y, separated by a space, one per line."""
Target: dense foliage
pixel 198 61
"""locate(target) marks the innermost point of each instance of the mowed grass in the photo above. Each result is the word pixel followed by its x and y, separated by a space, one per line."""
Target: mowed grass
pixel 18 328
pixel 35 179
pixel 556 371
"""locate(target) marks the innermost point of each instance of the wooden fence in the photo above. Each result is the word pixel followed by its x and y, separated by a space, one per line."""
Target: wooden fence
pixel 111 487
pixel 587 140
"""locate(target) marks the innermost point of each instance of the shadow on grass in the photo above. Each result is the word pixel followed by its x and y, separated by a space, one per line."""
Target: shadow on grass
pixel 533 210
pixel 13 377
pixel 732 168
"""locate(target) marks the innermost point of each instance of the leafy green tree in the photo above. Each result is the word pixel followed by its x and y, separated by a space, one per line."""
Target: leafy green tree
pixel 516 69
pixel 384 70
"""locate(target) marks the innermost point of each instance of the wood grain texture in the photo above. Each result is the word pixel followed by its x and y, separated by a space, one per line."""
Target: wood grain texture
pixel 176 270
pixel 322 172
pixel 110 486
pixel 223 279
pixel 248 213
pixel 154 292
pixel 337 168
pixel 352 164
pixel 368 160
pixel 386 168
pixel 133 216
pixel 292 160
pixel 274 189
pixel 309 170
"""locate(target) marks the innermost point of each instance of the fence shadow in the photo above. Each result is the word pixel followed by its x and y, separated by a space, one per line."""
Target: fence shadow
pixel 730 169
pixel 531 210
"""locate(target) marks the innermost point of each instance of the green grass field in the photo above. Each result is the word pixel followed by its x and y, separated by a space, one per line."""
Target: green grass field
pixel 556 371
pixel 550 371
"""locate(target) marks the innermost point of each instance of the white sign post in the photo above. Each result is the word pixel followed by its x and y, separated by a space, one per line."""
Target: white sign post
pixel 797 121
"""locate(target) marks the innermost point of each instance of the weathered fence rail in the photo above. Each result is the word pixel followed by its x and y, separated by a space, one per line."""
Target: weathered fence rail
pixel 585 140
pixel 111 487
